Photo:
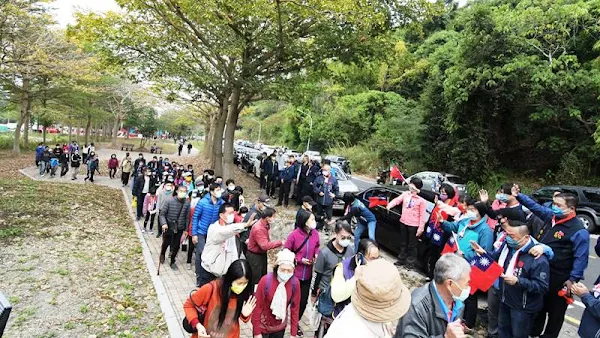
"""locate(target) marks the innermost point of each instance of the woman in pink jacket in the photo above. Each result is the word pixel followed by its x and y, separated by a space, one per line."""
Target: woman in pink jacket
pixel 149 209
pixel 412 222
pixel 304 242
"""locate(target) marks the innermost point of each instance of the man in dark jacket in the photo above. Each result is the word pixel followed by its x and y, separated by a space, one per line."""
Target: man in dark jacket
pixel 271 174
pixel 564 233
pixel 287 175
pixel 64 163
pixel 523 284
pixel 301 180
pixel 326 188
pixel 365 218
pixel 75 163
pixel 143 184
pixel 436 308
pixel 263 161
pixel 590 321
pixel 57 151
pixel 256 212
pixel 174 220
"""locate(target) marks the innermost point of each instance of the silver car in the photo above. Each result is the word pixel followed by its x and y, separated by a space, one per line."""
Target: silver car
pixel 433 179
pixel 345 184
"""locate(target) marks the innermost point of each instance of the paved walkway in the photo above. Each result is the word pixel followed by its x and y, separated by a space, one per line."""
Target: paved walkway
pixel 172 287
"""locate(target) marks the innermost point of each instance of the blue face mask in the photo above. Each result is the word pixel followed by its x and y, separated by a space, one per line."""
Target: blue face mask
pixel 511 242
pixel 558 212
pixel 502 198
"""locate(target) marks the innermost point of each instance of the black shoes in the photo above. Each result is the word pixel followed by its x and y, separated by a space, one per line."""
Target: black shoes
pixel 174 267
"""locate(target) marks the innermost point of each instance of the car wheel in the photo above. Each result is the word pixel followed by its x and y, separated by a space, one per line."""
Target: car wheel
pixel 588 222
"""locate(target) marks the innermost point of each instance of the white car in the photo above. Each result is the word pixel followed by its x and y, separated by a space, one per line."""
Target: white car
pixel 314 155
pixel 345 184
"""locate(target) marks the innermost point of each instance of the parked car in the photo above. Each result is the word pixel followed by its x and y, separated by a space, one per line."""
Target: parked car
pixel 588 210
pixel 346 185
pixel 387 233
pixel 342 162
pixel 429 179
pixel 313 155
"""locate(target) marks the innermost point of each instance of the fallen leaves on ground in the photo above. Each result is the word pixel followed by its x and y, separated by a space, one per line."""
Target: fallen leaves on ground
pixel 10 164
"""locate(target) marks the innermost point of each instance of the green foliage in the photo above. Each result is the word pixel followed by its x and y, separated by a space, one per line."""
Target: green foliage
pixel 362 158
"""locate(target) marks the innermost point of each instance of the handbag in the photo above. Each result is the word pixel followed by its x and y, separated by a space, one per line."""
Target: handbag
pixel 201 310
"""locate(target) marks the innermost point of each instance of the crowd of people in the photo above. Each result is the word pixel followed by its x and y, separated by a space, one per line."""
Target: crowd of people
pixel 542 250
pixel 67 157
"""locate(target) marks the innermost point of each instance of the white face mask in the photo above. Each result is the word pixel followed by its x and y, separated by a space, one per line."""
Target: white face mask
pixel 464 293
pixel 472 215
pixel 230 219
pixel 344 242
pixel 325 173
pixel 218 194
pixel 181 195
pixel 231 187
pixel 284 276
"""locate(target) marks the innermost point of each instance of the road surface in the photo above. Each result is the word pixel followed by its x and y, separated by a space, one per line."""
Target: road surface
pixel 575 311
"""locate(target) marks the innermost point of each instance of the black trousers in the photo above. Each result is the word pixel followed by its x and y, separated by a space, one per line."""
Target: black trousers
pixel 258 264
pixel 304 294
pixel 284 193
pixel 151 218
pixel 263 180
pixel 112 172
pixel 279 334
pixel 271 185
pixel 470 314
pixel 125 178
pixel 140 204
pixel 204 277
pixel 173 240
pixel 408 243
pixel 190 251
pixel 64 168
pixel 554 308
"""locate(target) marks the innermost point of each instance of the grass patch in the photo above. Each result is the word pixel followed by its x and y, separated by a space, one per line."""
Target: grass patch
pixel 62 271
pixel 25 315
pixel 14 300
pixel 84 309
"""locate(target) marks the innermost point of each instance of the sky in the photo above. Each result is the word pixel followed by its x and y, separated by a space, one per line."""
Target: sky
pixel 64 9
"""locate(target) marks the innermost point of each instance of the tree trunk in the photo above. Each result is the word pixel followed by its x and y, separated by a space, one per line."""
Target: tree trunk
pixel 228 167
pixel 208 137
pixel 216 159
pixel 44 134
pixel 78 129
pixel 115 130
pixel 88 124
pixel 23 118
pixel 70 130
pixel 26 129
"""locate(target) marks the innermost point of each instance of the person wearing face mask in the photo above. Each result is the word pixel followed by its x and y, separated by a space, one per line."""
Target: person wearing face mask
pixel 307 206
pixel 568 238
pixel 436 307
pixel 206 213
pixel 343 282
pixel 325 188
pixel 590 320
pixel 173 221
pixel 75 163
pixel 366 219
pixel 230 195
pixel 523 284
pixel 256 212
pixel 113 164
pixel 208 177
pixel 142 186
pixel 259 243
pixel 187 181
pixel 227 300
pixel 271 174
pixel 276 292
pixel 379 300
pixel 304 242
pixel 93 166
pixel 222 245
pixel 471 229
pixel 329 257
pixel 286 176
pixel 195 198
pixel 505 200
pixel 412 222
pixel 163 193
pixel 219 181
pixel 126 167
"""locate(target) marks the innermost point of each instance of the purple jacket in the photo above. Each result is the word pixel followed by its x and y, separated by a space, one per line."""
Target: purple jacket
pixel 308 251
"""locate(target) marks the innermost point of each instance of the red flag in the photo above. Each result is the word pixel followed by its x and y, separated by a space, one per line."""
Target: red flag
pixel 451 246
pixel 377 200
pixel 484 272
pixel 396 174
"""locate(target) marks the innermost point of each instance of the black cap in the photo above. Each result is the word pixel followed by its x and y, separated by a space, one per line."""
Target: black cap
pixel 513 214
pixel 309 200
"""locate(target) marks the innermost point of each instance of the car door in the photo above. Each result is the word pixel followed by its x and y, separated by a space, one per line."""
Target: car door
pixel 387 233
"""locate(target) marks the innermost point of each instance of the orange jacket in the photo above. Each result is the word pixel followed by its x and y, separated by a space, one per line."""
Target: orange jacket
pixel 210 295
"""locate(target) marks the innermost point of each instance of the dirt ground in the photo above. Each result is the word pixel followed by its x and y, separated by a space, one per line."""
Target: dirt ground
pixel 70 262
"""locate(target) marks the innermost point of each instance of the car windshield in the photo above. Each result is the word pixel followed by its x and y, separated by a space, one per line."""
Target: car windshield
pixel 456 180
pixel 339 174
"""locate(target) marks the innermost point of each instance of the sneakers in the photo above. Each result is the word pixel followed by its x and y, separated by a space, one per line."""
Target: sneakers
pixel 144 230
pixel 300 333
pixel 174 267
pixel 189 266
pixel 151 232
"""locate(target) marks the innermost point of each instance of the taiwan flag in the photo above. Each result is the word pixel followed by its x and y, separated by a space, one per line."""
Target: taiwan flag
pixel 377 201
pixel 484 272
pixel 451 245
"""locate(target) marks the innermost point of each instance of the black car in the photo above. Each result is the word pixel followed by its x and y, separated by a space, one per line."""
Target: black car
pixel 342 162
pixel 588 210
pixel 387 233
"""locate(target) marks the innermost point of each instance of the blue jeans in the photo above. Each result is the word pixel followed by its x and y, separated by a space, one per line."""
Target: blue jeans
pixel 514 323
pixel 360 228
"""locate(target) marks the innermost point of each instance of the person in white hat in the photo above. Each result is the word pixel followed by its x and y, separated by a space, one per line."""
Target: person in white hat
pixel 379 300
pixel 276 292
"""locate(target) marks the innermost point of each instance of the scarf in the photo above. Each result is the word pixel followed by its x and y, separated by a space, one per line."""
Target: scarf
pixel 279 302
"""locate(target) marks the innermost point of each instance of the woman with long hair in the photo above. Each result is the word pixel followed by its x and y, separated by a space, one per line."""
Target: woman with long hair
pixel 227 300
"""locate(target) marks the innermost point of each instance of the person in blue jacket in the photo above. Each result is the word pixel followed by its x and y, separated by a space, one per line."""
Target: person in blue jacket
pixel 472 228
pixel 286 176
pixel 39 150
pixel 205 214
pixel 365 218
pixel 524 283
pixel 325 188
pixel 568 238
pixel 590 321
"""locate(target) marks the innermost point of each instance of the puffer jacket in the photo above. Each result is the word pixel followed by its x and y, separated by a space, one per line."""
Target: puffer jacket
pixel 425 317
pixel 320 186
pixel 174 214
pixel 206 213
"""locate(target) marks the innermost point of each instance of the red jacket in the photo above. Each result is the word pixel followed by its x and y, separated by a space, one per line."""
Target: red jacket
pixel 263 320
pixel 113 163
pixel 259 241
